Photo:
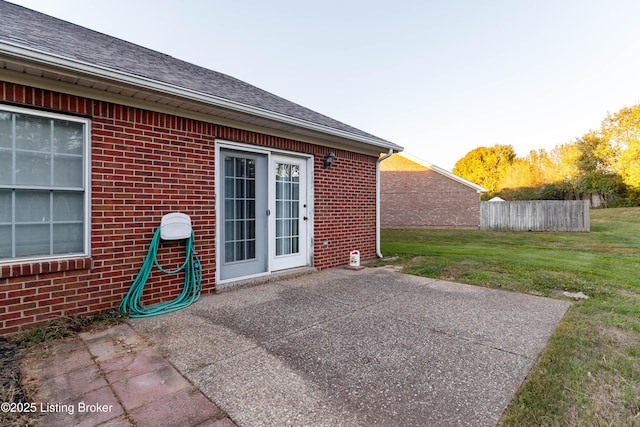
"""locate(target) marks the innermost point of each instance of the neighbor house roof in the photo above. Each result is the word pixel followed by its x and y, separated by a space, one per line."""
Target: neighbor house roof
pixel 36 45
pixel 403 162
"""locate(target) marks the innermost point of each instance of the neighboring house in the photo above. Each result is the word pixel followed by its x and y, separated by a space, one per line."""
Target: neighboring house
pixel 415 193
pixel 99 138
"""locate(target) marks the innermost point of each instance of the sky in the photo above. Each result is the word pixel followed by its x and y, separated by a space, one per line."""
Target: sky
pixel 439 78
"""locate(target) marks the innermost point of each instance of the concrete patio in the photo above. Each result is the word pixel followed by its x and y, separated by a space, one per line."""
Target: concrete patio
pixel 370 347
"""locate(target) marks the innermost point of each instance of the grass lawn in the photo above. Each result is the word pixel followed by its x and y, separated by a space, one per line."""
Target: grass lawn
pixel 589 374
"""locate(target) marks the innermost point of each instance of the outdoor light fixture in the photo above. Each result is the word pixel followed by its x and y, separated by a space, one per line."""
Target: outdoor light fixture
pixel 329 159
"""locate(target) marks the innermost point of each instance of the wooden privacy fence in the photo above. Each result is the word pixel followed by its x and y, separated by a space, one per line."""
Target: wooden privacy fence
pixel 537 215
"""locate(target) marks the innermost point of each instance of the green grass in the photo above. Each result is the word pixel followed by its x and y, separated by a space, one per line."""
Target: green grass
pixel 589 374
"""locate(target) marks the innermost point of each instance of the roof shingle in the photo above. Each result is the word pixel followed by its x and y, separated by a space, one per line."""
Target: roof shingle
pixel 70 41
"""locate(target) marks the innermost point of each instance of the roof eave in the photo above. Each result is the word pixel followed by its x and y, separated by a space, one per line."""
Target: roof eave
pixel 87 69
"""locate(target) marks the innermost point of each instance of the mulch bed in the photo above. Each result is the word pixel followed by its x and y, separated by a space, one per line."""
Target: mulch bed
pixel 12 389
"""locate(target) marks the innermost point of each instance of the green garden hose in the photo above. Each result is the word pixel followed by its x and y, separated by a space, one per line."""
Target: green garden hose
pixel 132 305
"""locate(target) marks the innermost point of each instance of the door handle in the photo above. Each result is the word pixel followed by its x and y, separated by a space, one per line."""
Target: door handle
pixel 305 218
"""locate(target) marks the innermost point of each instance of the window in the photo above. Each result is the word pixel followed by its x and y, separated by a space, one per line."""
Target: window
pixel 43 184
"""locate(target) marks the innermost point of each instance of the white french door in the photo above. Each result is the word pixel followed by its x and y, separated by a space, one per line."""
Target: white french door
pixel 263 213
pixel 289 213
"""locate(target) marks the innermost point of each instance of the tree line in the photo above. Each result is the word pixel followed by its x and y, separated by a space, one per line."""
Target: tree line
pixel 602 165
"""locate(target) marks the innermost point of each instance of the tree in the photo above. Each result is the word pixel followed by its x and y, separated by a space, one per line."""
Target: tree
pixel 565 162
pixel 486 166
pixel 604 162
pixel 621 131
pixel 606 185
pixel 521 173
pixel 596 154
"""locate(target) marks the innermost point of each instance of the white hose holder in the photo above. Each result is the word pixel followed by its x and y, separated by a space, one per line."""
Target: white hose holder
pixel 175 226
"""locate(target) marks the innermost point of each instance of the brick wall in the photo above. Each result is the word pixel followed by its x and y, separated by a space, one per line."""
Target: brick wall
pixel 425 198
pixel 345 203
pixel 144 165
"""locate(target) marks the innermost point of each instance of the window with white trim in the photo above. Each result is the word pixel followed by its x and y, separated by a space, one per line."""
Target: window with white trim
pixel 43 184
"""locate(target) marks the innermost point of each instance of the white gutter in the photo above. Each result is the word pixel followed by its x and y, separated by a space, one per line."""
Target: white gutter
pixel 378 252
pixel 75 66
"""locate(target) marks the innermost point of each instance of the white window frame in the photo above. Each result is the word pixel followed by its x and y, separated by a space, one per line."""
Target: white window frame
pixel 86 180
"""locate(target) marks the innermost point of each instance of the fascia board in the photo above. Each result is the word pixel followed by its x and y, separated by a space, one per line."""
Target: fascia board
pixel 186 112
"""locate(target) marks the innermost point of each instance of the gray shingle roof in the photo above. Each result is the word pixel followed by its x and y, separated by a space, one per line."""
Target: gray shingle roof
pixel 30 29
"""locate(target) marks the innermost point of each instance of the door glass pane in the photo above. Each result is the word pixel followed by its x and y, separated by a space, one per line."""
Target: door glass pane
pixel 250 209
pixel 240 209
pixel 229 166
pixel 228 185
pixel 229 209
pixel 240 214
pixel 286 195
pixel 240 254
pixel 251 249
pixel 228 252
pixel 295 191
pixel 239 233
pixel 287 208
pixel 251 169
pixel 229 230
pixel 240 167
pixel 251 230
pixel 240 185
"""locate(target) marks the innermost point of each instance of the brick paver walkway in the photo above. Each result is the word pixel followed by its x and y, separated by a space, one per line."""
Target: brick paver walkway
pixel 114 378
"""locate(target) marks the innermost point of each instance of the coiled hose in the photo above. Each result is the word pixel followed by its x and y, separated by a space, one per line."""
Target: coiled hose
pixel 132 305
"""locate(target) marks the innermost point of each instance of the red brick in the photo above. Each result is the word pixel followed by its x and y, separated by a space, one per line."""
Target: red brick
pixel 23 320
pixel 36 311
pixel 11 330
pixel 415 196
pixel 146 164
pixel 20 293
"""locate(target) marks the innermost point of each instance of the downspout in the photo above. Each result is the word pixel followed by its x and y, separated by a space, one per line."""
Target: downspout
pixel 378 252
